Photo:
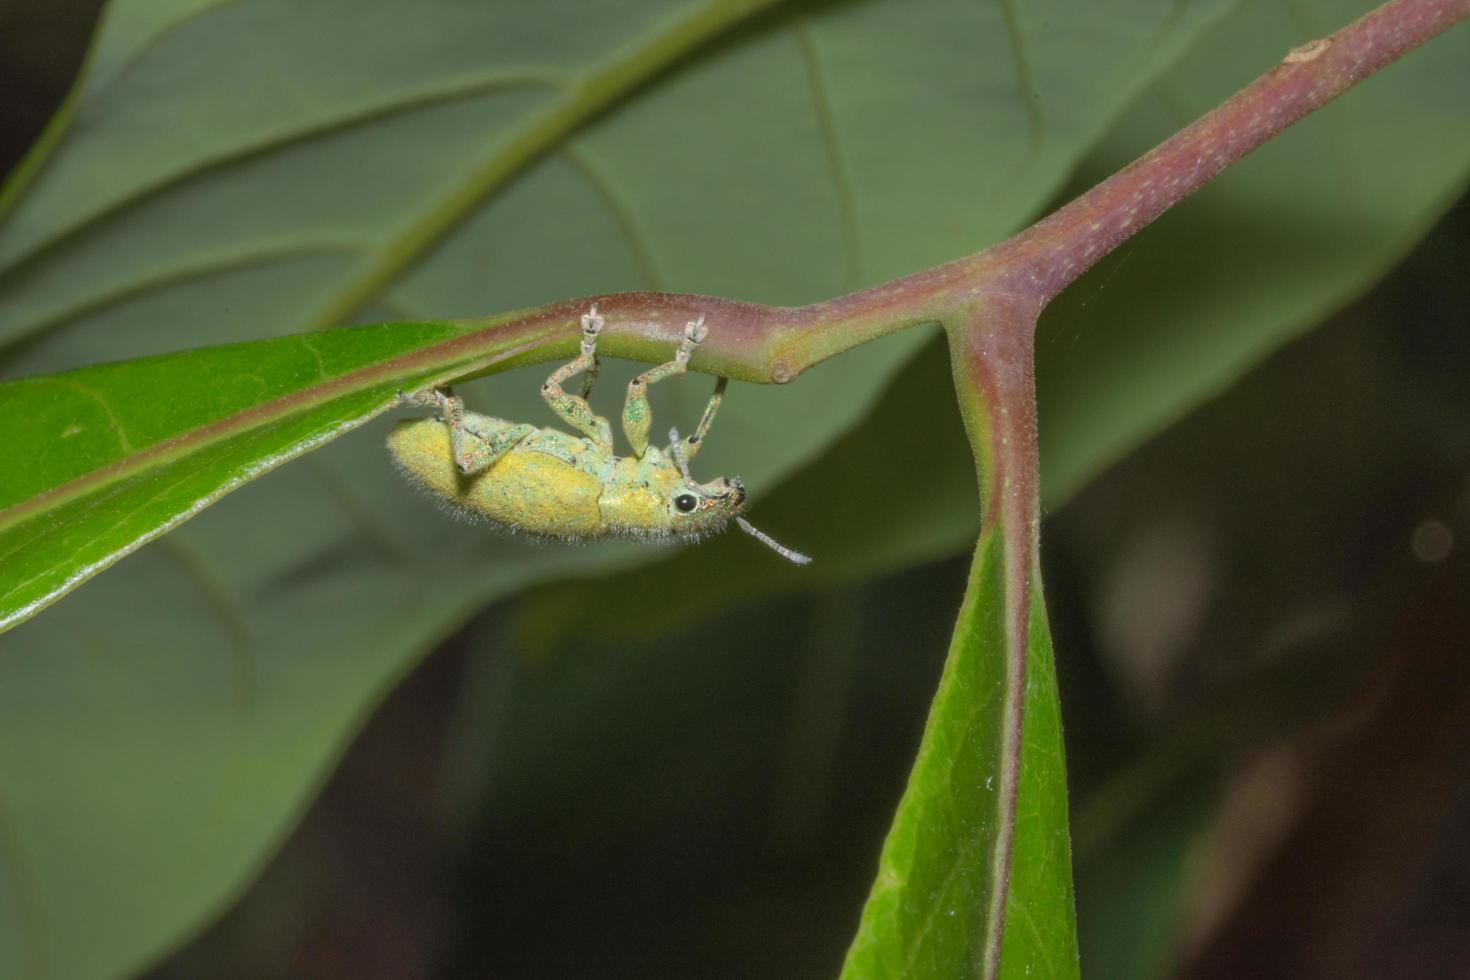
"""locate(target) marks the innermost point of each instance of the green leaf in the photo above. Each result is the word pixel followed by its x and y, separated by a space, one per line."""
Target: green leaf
pixel 937 879
pixel 121 452
pixel 975 878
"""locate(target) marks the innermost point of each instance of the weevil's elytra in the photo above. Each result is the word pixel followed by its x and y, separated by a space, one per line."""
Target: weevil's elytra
pixel 545 482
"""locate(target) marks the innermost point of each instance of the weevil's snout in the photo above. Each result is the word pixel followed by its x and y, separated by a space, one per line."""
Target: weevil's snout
pixel 735 488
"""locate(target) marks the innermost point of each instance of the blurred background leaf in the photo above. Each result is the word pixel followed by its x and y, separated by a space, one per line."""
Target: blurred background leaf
pixel 210 188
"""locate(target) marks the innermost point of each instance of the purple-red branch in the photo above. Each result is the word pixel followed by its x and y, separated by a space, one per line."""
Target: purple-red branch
pixel 996 349
pixel 1044 258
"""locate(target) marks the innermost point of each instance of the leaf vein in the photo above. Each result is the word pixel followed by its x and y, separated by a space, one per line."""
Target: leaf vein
pixel 622 213
pixel 831 145
pixel 1025 83
pixel 114 423
pixel 458 90
pixel 26 888
pixel 174 276
pixel 224 602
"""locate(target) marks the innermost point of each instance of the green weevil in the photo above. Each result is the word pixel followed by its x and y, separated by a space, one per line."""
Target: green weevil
pixel 549 483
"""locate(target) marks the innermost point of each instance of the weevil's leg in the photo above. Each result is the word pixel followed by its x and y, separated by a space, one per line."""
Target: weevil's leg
pixel 473 451
pixel 676 448
pixel 589 380
pixel 692 444
pixel 637 416
pixel 574 410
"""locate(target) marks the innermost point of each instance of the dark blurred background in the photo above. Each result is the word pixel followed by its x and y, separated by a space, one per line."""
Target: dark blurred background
pixel 1263 640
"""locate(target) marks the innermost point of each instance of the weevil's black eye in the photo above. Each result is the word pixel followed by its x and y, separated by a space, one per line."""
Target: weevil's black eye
pixel 686 502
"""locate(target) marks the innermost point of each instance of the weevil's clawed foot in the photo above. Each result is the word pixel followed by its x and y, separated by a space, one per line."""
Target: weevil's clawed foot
pixel 431 397
pixel 695 331
pixel 592 325
pixel 424 397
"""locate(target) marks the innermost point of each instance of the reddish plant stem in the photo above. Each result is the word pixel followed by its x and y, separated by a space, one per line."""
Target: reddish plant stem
pixel 992 357
pixel 1045 258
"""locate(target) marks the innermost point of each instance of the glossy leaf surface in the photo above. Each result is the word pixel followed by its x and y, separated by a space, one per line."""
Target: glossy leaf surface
pixel 937 878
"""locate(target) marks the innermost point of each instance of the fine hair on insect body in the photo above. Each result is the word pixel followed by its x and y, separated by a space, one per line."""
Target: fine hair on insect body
pixel 546 482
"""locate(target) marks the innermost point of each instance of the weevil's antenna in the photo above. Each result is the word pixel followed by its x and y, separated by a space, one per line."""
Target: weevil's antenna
pixel 676 446
pixel 791 555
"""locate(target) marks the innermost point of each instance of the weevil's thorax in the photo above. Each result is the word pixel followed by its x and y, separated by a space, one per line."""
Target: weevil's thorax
pixel 649 498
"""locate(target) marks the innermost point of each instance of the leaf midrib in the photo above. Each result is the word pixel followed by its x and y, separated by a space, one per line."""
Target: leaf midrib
pixel 442 355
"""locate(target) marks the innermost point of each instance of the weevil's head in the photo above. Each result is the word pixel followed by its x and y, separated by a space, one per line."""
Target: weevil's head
pixel 696 509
